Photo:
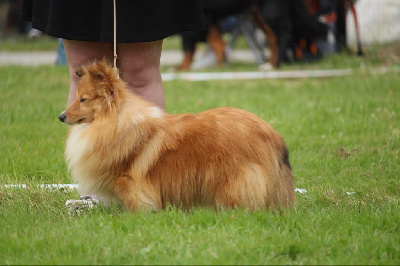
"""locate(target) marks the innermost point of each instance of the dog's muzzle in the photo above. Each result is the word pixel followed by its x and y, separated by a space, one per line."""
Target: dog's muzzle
pixel 62 117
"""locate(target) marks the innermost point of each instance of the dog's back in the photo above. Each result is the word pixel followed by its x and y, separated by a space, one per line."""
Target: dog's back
pixel 224 156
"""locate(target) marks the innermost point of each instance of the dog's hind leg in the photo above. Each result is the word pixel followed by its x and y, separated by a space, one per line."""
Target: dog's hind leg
pixel 247 190
pixel 189 43
pixel 187 61
pixel 269 33
pixel 217 43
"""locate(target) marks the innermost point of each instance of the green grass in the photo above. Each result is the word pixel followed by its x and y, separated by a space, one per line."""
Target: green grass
pixel 47 43
pixel 343 136
pixel 24 44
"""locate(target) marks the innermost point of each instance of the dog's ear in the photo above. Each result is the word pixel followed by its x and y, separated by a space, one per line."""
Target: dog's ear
pixel 79 72
pixel 97 75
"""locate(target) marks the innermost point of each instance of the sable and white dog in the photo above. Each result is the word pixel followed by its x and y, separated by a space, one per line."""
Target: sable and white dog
pixel 124 147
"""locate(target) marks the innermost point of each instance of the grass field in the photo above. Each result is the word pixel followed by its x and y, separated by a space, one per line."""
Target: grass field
pixel 343 136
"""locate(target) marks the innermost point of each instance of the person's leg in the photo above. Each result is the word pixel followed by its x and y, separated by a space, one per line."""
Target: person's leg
pixel 80 53
pixel 139 66
pixel 138 63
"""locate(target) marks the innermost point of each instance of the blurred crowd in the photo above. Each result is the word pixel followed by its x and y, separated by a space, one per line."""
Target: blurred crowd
pixel 10 24
pixel 294 30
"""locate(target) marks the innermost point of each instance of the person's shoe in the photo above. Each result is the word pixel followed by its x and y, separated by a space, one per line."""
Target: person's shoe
pixel 76 207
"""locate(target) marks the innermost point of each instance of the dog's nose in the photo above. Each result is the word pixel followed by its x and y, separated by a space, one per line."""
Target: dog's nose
pixel 62 117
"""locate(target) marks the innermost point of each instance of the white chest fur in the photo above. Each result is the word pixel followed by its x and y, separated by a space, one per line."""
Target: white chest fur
pixel 78 145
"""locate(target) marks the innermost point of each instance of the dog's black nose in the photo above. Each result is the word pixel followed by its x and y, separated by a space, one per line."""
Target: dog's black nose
pixel 62 117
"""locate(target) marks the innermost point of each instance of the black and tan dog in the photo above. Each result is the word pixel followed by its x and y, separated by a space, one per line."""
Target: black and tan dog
pixel 215 10
pixel 287 25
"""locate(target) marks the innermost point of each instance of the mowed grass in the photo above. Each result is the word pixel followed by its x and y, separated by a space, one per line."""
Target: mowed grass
pixel 343 136
pixel 22 43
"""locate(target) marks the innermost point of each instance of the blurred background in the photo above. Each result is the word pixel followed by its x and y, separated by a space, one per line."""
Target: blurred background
pixel 278 33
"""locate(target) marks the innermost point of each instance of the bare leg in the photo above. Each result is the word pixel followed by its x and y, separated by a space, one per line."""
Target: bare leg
pixel 79 53
pixel 139 65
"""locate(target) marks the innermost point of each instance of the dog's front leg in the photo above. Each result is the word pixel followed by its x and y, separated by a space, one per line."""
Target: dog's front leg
pixel 136 194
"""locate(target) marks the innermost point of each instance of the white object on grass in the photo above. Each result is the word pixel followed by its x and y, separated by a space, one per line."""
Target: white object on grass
pixel 200 76
pixel 76 186
pixel 51 186
pixel 300 190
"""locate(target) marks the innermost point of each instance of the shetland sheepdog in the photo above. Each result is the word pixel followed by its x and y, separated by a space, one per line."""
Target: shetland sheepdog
pixel 124 147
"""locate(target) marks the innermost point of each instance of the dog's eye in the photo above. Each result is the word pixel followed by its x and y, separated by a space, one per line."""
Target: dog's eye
pixel 83 100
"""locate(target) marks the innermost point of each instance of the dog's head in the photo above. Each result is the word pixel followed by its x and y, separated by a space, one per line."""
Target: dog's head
pixel 96 93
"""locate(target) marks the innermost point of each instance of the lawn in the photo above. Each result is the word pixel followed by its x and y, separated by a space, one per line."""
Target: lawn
pixel 343 136
pixel 47 43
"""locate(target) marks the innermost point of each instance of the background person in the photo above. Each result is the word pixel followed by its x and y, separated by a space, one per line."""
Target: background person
pixel 87 30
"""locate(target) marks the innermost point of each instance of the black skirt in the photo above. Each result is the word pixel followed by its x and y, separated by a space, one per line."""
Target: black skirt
pixel 92 20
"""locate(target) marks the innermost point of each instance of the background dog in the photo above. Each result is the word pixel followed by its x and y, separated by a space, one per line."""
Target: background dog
pixel 122 146
pixel 214 11
pixel 295 29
